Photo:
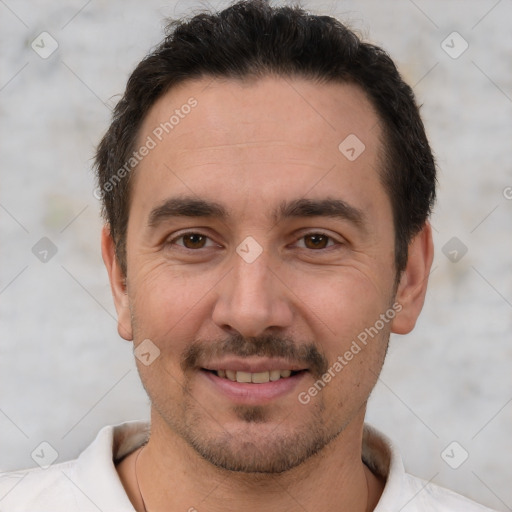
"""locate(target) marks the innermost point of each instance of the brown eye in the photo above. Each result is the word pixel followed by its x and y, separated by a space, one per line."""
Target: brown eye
pixel 193 240
pixel 316 241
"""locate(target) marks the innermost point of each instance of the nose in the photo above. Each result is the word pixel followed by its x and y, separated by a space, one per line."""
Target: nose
pixel 252 298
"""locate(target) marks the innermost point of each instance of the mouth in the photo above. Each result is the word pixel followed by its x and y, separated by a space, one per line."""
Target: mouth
pixel 252 388
pixel 254 377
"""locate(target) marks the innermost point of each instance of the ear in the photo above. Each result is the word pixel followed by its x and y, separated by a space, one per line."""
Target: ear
pixel 413 281
pixel 117 284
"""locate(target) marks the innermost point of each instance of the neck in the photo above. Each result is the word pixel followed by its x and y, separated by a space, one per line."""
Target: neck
pixel 172 476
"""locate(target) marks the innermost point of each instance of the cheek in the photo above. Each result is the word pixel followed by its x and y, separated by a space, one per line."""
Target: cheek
pixel 350 333
pixel 165 303
pixel 166 310
pixel 345 301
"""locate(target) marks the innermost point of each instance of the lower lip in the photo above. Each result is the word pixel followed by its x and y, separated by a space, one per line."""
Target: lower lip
pixel 247 393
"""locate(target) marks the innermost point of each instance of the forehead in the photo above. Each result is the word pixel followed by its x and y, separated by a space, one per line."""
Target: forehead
pixel 227 108
pixel 260 139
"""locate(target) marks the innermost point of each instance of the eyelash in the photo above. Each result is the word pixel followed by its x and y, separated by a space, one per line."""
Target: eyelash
pixel 329 237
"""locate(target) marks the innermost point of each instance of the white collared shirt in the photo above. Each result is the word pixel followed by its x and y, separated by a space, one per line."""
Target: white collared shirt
pixel 91 482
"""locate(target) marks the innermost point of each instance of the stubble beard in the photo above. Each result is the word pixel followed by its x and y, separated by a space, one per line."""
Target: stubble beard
pixel 258 445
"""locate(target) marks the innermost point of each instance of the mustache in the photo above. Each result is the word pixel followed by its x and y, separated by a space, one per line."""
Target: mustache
pixel 199 352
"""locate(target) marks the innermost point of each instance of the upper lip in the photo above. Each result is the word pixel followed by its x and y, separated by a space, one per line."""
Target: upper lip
pixel 253 365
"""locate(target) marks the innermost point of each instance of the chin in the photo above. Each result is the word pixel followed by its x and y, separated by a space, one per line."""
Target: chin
pixel 252 444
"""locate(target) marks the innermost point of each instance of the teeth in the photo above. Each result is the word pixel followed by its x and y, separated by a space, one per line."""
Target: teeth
pixel 256 378
pixel 275 375
pixel 243 377
pixel 260 377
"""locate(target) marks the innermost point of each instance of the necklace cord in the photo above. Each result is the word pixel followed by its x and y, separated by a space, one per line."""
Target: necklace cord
pixel 137 478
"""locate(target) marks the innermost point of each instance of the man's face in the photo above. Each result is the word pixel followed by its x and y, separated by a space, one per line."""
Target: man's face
pixel 255 293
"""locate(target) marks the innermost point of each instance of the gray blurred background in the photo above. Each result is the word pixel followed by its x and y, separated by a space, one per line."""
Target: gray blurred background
pixel 64 371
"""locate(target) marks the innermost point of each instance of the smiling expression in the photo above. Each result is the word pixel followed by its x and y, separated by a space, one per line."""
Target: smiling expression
pixel 256 253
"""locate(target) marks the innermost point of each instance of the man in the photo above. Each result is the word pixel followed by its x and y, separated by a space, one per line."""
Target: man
pixel 266 185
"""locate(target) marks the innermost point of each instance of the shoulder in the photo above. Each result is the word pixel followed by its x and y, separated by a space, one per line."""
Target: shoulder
pixel 88 483
pixel 403 491
pixel 39 489
pixel 424 496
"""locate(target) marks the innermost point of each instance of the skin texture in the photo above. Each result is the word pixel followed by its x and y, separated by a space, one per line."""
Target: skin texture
pixel 250 146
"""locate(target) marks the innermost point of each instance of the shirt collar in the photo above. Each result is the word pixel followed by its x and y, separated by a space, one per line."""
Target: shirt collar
pixel 95 472
pixel 384 459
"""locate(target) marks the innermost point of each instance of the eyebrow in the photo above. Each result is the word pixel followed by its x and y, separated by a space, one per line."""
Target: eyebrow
pixel 186 206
